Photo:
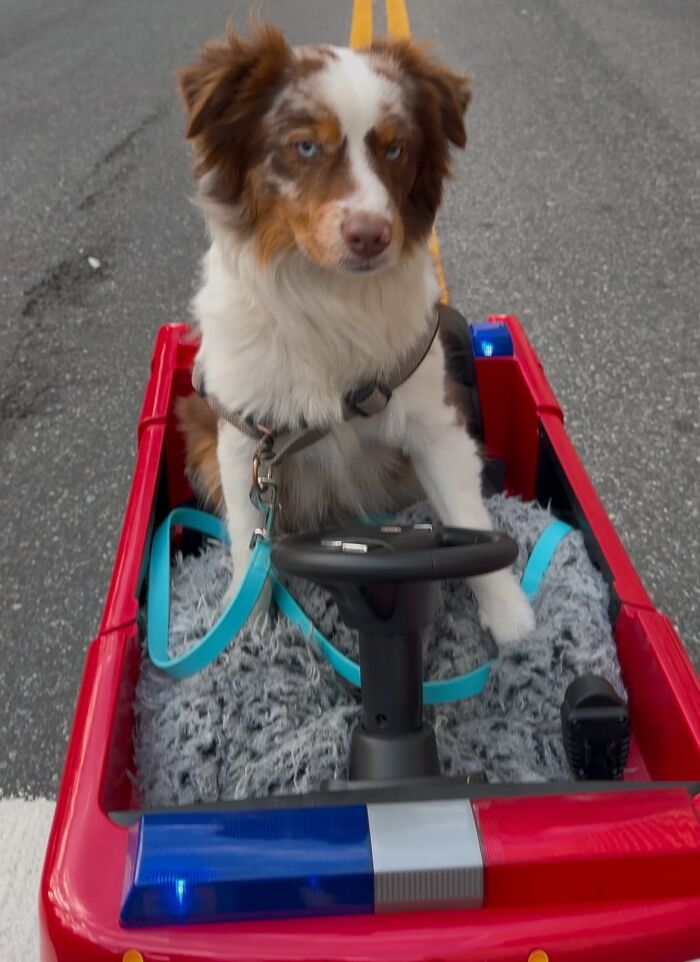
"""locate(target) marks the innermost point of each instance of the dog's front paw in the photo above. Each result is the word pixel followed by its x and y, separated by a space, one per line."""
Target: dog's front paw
pixel 507 613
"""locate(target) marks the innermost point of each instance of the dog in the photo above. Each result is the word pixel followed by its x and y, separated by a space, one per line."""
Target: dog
pixel 319 172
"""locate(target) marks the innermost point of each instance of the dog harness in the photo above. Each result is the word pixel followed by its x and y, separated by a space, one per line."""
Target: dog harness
pixel 367 399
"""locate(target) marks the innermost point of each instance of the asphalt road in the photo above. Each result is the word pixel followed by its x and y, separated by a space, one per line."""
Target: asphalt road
pixel 576 207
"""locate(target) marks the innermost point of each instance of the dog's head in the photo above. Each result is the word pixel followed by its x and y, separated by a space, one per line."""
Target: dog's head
pixel 338 154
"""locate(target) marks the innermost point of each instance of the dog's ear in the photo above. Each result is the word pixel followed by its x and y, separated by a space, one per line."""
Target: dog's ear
pixel 454 93
pixel 226 93
pixel 437 88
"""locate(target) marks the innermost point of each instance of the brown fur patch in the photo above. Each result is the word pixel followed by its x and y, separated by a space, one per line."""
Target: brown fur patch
pixel 327 130
pixel 308 217
pixel 456 393
pixel 273 232
pixel 274 235
pixel 438 100
pixel 308 213
pixel 199 425
pixel 457 396
pixel 315 224
pixel 399 489
pixel 397 175
pixel 308 65
pixel 225 94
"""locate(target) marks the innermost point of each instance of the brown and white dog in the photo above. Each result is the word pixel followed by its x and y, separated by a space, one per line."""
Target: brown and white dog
pixel 320 171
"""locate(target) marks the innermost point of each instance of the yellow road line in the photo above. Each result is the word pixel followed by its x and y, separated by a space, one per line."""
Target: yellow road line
pixel 399 27
pixel 361 25
pixel 397 19
pixel 434 248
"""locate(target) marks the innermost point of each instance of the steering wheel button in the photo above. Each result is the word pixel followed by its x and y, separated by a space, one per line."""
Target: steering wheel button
pixel 354 547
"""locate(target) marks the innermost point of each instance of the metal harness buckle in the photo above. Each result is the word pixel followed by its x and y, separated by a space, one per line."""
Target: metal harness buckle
pixel 369 399
pixel 263 493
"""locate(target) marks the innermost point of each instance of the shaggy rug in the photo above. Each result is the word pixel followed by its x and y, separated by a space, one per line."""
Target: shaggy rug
pixel 270 715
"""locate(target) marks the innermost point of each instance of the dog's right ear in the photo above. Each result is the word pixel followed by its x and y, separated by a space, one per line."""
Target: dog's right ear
pixel 227 92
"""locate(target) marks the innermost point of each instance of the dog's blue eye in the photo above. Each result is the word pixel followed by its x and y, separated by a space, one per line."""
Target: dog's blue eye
pixel 308 149
pixel 393 152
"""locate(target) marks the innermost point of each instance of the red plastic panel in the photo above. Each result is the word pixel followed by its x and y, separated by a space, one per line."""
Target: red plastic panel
pixel 658 931
pixel 117 789
pixel 157 401
pixel 589 848
pixel 664 693
pixel 636 769
pixel 538 387
pixel 83 872
pixel 121 605
pixel 178 487
pixel 171 366
pixel 628 586
pixel 514 393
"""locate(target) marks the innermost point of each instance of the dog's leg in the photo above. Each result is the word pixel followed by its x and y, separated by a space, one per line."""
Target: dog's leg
pixel 235 453
pixel 447 463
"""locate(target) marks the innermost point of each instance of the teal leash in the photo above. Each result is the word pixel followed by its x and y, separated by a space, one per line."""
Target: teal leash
pixel 541 556
pixel 259 570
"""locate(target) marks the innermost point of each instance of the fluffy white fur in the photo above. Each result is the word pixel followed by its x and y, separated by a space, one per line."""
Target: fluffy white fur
pixel 290 338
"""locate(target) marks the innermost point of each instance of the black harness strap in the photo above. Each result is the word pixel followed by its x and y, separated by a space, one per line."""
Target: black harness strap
pixel 366 400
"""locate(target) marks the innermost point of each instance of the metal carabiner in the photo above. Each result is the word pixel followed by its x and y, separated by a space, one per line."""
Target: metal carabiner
pixel 263 493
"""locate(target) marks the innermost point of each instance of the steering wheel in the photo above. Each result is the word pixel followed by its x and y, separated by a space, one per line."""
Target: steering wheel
pixel 382 579
pixel 393 553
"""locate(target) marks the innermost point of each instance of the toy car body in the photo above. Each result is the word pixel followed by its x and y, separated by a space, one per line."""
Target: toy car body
pixel 574 871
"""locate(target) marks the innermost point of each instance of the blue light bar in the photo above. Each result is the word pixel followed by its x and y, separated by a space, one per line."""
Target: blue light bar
pixel 491 340
pixel 215 866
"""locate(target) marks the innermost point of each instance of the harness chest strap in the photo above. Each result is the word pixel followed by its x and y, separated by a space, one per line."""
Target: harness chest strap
pixel 366 400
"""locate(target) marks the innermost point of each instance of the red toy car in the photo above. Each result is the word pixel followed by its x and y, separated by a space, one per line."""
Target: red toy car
pixel 565 872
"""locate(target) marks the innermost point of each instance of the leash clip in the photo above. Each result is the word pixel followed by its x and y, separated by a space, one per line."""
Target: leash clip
pixel 270 512
pixel 263 493
pixel 263 456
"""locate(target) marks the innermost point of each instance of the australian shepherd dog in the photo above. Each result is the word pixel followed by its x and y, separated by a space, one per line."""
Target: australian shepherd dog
pixel 319 172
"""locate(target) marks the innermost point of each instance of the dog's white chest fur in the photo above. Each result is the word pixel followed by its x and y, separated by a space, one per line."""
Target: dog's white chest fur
pixel 286 343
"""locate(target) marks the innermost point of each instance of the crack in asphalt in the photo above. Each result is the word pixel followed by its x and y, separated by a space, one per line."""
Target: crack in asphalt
pixel 128 139
pixel 30 384
pixel 125 146
pixel 31 387
pixel 60 282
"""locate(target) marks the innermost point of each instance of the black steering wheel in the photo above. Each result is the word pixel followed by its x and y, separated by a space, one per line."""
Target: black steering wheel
pixel 393 553
pixel 382 579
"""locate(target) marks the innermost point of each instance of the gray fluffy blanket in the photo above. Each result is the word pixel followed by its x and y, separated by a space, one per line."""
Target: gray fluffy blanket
pixel 270 715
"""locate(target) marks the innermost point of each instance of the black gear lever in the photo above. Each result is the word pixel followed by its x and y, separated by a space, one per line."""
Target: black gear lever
pixel 383 579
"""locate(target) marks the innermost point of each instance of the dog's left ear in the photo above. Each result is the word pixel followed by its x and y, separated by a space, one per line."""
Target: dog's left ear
pixel 225 94
pixel 455 94
pixel 438 89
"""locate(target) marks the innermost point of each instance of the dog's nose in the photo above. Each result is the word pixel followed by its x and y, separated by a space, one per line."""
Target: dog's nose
pixel 366 234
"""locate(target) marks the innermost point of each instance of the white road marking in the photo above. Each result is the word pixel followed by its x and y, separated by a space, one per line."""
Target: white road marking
pixel 24 830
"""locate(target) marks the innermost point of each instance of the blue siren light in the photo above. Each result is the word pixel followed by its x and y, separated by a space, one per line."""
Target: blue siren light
pixel 199 867
pixel 491 340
